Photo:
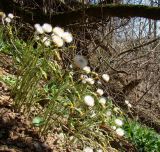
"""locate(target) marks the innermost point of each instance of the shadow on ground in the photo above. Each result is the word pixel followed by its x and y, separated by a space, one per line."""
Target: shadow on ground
pixel 16 134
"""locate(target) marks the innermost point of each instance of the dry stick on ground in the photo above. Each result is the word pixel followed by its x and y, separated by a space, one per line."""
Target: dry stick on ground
pixel 144 116
pixel 155 83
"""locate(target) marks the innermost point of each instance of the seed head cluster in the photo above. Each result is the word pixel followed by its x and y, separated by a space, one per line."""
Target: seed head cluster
pixel 50 35
pixel 6 18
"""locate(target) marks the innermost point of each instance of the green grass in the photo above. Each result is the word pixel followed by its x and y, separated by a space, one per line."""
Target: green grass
pixel 146 139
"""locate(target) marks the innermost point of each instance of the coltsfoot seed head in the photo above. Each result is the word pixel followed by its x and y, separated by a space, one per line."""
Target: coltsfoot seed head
pixel 58 31
pixel 118 122
pixel 87 149
pixel 10 15
pixel 87 69
pixel 7 19
pixel 102 101
pixel 105 77
pixel 100 92
pixel 89 101
pixel 38 28
pixel 67 37
pixel 57 40
pixel 47 28
pixel 120 131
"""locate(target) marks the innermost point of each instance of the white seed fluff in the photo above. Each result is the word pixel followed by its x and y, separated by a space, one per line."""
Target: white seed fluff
pixel 118 122
pixel 108 113
pixel 84 81
pixel 57 40
pixel 37 25
pixel 120 131
pixel 58 31
pixel 105 77
pixel 90 80
pixel 126 102
pixel 7 19
pixel 89 100
pixel 67 37
pixel 10 15
pixel 102 100
pixel 129 105
pixel 47 28
pixel 88 149
pixel 82 76
pixel 100 92
pixel 114 127
pixel 87 69
pixel 71 66
pixel 38 28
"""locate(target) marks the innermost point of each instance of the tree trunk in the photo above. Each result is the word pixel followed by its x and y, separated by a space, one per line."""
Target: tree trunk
pixel 92 12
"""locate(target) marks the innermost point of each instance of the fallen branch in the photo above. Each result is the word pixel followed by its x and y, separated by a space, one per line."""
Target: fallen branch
pixel 92 12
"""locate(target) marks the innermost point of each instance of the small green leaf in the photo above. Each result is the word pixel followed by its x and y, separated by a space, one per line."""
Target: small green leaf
pixel 37 121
